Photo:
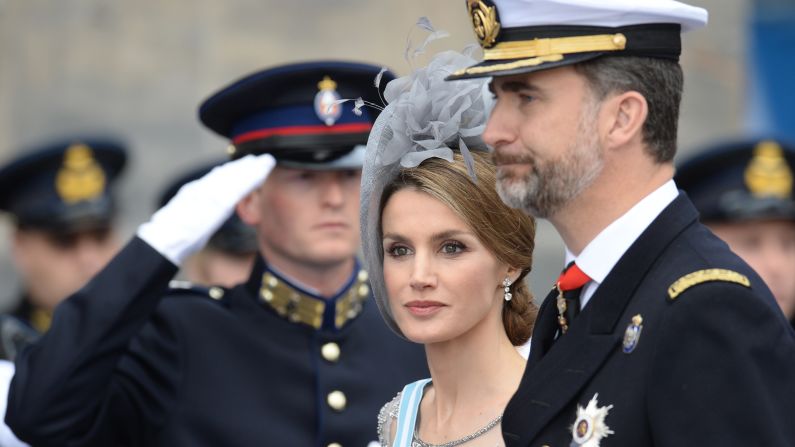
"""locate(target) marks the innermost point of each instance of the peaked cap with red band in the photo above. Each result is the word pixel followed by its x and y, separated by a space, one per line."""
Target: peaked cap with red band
pixel 289 111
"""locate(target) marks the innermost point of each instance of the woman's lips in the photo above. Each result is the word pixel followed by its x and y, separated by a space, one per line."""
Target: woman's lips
pixel 424 308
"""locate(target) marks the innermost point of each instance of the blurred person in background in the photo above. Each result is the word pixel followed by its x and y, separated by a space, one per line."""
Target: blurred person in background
pixel 227 258
pixel 297 355
pixel 60 202
pixel 59 198
pixel 743 190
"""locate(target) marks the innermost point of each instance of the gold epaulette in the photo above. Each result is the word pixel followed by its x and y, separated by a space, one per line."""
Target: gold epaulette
pixel 701 276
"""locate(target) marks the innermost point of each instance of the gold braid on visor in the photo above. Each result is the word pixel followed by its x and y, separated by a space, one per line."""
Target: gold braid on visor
pixel 525 49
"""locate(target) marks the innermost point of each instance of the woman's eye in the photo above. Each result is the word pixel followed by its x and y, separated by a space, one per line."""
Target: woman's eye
pixel 452 248
pixel 398 250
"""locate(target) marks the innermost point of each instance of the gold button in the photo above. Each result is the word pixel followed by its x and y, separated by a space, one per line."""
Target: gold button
pixel 335 444
pixel 216 293
pixel 267 295
pixel 364 289
pixel 362 276
pixel 330 352
pixel 337 400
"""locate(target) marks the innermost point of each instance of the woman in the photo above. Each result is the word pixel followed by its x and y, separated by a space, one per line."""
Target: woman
pixel 447 259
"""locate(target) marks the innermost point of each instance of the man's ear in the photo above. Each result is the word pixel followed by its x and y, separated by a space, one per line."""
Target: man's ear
pixel 20 248
pixel 624 117
pixel 248 209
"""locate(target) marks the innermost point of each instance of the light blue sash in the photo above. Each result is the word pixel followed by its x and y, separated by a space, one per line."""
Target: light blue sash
pixel 407 417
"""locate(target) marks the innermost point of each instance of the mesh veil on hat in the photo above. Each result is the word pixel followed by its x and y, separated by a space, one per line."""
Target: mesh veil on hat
pixel 425 117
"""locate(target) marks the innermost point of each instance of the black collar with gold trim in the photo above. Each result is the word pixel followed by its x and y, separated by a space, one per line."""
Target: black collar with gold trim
pixel 303 307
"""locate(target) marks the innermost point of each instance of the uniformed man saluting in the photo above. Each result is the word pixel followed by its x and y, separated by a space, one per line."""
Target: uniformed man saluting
pixel 295 356
pixel 655 334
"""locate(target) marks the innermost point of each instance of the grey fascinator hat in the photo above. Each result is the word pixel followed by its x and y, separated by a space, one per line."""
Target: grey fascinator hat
pixel 425 117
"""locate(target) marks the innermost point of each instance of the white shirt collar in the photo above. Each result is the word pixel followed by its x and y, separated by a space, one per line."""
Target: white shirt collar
pixel 601 254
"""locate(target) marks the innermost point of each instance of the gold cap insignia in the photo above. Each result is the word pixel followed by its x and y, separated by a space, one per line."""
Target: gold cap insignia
pixel 327 105
pixel 80 176
pixel 768 174
pixel 484 22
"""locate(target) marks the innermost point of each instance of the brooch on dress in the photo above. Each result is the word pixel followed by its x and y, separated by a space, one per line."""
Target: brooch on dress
pixel 589 428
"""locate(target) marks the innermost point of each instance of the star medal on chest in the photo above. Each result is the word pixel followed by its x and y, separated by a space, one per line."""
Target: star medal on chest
pixel 589 428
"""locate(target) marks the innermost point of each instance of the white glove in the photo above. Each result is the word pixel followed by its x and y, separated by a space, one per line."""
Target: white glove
pixel 200 207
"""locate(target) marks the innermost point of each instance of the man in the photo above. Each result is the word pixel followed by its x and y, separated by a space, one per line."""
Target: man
pixel 657 334
pixel 295 356
pixel 743 192
pixel 59 198
pixel 227 258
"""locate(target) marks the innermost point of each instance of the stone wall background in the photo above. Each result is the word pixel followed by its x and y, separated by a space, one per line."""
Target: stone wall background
pixel 139 69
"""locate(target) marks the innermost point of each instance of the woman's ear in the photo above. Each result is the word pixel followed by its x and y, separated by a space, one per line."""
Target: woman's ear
pixel 625 115
pixel 513 274
pixel 248 209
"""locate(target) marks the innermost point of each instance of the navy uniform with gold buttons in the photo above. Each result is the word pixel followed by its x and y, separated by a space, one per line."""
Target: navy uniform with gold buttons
pixel 661 336
pixel 59 198
pixel 743 190
pixel 272 361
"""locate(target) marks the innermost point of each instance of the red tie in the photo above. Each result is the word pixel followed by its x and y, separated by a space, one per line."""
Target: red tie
pixel 569 286
pixel 572 278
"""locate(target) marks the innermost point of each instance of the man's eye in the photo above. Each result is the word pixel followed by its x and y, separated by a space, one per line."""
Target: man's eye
pixel 526 98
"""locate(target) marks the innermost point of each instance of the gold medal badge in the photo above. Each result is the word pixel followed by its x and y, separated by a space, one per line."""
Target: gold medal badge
pixel 632 334
pixel 484 22
pixel 768 174
pixel 80 177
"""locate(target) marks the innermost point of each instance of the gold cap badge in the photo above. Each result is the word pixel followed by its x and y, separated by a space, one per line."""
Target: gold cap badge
pixel 80 177
pixel 484 22
pixel 768 174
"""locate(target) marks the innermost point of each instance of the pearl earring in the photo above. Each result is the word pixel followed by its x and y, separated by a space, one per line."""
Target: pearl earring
pixel 506 283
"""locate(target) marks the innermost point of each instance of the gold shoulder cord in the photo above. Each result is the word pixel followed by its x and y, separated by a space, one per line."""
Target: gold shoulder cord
pixel 702 276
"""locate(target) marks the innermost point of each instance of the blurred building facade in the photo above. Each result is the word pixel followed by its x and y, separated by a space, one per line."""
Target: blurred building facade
pixel 138 69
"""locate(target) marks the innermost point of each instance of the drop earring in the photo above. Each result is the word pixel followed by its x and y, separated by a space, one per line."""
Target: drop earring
pixel 506 283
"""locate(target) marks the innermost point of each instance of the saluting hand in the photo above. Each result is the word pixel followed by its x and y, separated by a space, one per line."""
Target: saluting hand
pixel 200 207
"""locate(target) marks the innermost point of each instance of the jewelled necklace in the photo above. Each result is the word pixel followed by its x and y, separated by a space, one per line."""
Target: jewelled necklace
pixel 417 442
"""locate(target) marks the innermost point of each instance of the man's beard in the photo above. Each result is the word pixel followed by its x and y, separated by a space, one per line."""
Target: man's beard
pixel 553 183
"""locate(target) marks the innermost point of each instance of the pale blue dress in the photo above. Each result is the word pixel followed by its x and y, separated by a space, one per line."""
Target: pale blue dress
pixel 403 409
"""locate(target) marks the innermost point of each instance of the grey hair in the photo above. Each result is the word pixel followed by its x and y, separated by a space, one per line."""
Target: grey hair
pixel 660 81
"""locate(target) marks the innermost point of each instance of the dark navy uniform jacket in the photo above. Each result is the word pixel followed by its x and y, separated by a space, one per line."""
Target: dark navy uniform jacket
pixel 714 364
pixel 128 362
